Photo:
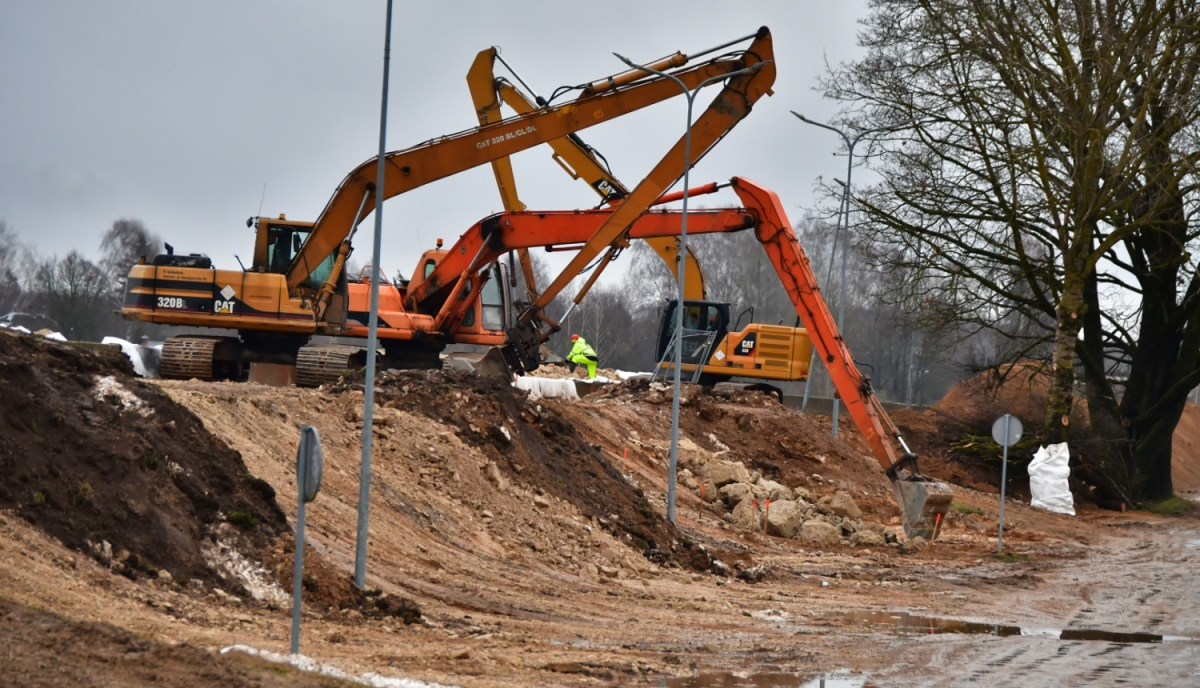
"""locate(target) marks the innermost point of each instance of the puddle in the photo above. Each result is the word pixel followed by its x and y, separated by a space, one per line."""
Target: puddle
pixel 732 680
pixel 907 624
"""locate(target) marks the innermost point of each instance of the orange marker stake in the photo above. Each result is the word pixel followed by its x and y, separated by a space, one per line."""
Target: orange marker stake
pixel 937 524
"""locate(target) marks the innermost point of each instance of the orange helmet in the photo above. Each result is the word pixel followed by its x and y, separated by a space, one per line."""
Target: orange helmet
pixel 574 337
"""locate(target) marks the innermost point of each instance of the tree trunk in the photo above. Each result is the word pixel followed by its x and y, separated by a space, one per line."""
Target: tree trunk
pixel 1060 398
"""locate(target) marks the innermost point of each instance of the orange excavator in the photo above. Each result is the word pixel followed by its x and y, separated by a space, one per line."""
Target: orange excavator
pixel 923 501
pixel 786 350
pixel 296 286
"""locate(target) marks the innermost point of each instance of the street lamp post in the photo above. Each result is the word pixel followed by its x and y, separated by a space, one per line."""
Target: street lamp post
pixel 364 476
pixel 843 223
pixel 690 94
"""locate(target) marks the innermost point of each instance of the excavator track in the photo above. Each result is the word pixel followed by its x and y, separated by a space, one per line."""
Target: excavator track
pixel 324 363
pixel 184 358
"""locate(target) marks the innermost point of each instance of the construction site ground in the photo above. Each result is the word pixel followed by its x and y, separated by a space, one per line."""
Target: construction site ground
pixel 523 543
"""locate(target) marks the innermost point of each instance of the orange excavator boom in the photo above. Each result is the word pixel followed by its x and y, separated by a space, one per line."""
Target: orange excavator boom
pixel 448 155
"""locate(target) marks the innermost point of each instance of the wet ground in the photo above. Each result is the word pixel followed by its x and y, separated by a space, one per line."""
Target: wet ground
pixel 500 569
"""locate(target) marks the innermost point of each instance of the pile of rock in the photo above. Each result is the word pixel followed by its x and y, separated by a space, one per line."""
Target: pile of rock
pixel 756 503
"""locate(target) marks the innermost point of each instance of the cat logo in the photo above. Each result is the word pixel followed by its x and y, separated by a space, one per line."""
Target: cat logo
pixel 220 306
pixel 746 346
pixel 608 191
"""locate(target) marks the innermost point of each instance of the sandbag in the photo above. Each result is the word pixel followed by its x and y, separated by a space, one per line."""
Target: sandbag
pixel 1048 473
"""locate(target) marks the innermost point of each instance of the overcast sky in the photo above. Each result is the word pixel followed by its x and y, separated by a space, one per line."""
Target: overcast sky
pixel 177 113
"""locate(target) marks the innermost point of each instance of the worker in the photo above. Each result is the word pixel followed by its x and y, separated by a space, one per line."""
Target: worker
pixel 582 354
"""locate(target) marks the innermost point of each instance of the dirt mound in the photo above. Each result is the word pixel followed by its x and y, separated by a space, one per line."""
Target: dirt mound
pixel 1185 452
pixel 111 466
pixel 535 444
pixel 752 427
pixel 1019 389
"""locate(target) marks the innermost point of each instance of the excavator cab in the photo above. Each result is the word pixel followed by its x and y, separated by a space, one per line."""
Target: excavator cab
pixel 277 242
pixel 768 352
pixel 705 326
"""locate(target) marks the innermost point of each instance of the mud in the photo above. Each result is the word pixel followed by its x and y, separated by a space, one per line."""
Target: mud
pixel 518 581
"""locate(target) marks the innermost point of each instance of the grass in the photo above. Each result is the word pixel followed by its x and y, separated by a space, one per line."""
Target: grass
pixel 1169 506
pixel 966 508
pixel 1012 558
pixel 82 495
pixel 245 519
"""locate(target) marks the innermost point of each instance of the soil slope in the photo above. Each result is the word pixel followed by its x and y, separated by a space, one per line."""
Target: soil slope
pixel 112 467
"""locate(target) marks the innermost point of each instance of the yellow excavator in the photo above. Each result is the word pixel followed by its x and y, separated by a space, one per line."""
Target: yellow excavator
pixel 759 351
pixel 296 286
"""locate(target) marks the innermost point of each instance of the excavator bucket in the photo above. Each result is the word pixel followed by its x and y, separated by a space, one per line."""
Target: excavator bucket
pixel 923 505
pixel 923 501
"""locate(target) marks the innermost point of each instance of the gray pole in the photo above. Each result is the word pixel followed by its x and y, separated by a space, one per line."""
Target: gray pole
pixel 298 575
pixel 912 352
pixel 364 478
pixel 850 144
pixel 673 463
pixel 1003 484
pixel 812 362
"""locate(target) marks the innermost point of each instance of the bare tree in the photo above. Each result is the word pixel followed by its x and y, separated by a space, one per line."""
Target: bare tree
pixel 123 245
pixel 1040 177
pixel 76 293
pixel 11 253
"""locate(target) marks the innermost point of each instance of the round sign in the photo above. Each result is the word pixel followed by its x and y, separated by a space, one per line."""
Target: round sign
pixel 1007 436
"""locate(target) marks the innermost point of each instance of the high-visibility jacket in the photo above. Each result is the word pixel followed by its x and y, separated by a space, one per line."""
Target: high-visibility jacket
pixel 580 351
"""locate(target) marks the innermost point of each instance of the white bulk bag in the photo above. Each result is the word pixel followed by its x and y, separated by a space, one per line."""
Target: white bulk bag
pixel 1048 473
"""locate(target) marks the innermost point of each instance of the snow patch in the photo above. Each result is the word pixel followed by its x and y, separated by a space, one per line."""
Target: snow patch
pixel 547 388
pixel 626 375
pixel 224 557
pixel 133 352
pixel 305 663
pixel 56 336
pixel 108 387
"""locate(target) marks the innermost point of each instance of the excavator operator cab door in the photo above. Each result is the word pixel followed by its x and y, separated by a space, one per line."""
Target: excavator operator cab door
pixel 279 241
pixel 700 318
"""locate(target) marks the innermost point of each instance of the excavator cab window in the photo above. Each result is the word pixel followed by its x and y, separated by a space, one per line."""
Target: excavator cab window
pixel 284 242
pixel 492 299
pixel 699 319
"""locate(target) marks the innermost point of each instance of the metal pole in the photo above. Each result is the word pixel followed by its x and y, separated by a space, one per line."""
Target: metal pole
pixel 812 362
pixel 673 463
pixel 1003 484
pixel 845 212
pixel 912 352
pixel 837 400
pixel 298 574
pixel 364 478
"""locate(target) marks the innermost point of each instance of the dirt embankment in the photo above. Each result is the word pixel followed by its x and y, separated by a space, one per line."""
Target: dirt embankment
pixel 521 530
pixel 113 467
pixel 534 444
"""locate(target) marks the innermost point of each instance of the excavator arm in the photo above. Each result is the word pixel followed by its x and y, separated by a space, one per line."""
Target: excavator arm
pixel 575 157
pixel 732 104
pixel 601 101
pixel 923 502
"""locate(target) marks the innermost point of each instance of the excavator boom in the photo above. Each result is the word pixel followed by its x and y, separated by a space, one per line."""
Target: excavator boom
pixel 442 157
pixel 923 501
pixel 575 157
